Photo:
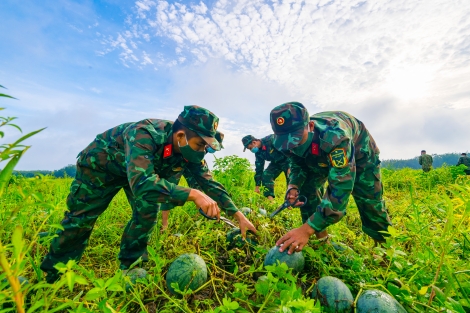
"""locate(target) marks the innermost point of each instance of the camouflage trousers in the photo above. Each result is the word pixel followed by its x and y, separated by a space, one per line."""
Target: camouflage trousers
pixel 270 174
pixel 367 193
pixel 90 194
pixel 426 169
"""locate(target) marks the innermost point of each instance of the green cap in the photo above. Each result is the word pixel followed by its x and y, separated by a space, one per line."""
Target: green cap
pixel 201 121
pixel 247 140
pixel 220 137
pixel 288 121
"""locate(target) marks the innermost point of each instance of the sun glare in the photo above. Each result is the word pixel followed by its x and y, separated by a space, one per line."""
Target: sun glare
pixel 409 83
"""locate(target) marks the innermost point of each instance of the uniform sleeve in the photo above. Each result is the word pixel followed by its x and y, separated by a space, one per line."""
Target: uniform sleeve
pixel 459 162
pixel 215 190
pixel 145 183
pixel 297 175
pixel 174 180
pixel 332 208
pixel 259 169
pixel 430 157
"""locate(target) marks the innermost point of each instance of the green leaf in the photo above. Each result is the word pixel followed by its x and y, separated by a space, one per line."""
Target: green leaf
pixel 423 290
pixel 18 243
pixel 115 287
pixel 6 172
pixel 7 96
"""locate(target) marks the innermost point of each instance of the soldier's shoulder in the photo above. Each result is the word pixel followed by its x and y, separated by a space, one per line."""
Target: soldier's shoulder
pixel 332 131
pixel 158 129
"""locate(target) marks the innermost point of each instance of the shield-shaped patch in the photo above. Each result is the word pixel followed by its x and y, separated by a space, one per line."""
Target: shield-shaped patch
pixel 338 157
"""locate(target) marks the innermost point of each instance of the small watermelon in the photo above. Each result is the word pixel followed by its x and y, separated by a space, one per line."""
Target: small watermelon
pixel 188 270
pixel 23 280
pixel 333 294
pixel 245 211
pixel 235 239
pixel 133 275
pixel 378 302
pixel 295 260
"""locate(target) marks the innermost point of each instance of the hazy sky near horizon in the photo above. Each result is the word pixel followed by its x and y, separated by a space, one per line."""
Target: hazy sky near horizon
pixel 81 67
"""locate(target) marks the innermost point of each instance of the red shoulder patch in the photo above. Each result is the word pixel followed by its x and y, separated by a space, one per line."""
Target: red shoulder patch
pixel 167 151
pixel 264 148
pixel 315 149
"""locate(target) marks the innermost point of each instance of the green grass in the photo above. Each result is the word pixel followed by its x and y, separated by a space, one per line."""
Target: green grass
pixel 428 253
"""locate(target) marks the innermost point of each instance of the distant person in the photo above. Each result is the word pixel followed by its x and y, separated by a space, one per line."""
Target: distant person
pixel 192 182
pixel 332 147
pixel 264 151
pixel 425 160
pixel 139 157
pixel 465 160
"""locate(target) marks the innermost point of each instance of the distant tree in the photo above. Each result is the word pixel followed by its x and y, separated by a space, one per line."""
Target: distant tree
pixel 438 161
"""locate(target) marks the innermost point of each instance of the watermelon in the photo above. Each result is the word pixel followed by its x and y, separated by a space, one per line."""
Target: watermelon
pixel 333 294
pixel 188 270
pixel 378 302
pixel 245 211
pixel 133 275
pixel 295 261
pixel 23 280
pixel 235 239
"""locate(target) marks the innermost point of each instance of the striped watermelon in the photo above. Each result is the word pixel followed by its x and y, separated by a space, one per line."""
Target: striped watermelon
pixel 333 295
pixel 235 239
pixel 378 302
pixel 188 270
pixel 295 261
pixel 133 275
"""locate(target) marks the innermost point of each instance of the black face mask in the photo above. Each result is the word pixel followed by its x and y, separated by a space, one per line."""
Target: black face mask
pixel 190 154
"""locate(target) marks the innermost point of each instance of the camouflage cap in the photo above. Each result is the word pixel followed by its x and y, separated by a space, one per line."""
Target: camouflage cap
pixel 220 137
pixel 288 121
pixel 201 121
pixel 247 140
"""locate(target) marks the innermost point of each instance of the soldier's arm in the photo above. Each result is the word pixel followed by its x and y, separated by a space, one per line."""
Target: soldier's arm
pixel 420 160
pixel 431 159
pixel 459 162
pixel 297 174
pixel 332 208
pixel 145 183
pixel 215 190
pixel 174 180
pixel 259 169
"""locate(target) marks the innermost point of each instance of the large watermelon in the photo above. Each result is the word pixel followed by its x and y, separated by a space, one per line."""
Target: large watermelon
pixel 188 270
pixel 295 260
pixel 133 275
pixel 333 294
pixel 378 302
pixel 235 239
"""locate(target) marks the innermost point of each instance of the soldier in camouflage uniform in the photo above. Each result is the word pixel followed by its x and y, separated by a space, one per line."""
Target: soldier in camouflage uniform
pixel 465 160
pixel 139 158
pixel 425 160
pixel 192 183
pixel 331 147
pixel 264 151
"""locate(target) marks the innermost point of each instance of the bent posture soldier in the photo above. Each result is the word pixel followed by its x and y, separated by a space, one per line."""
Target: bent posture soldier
pixel 264 151
pixel 425 160
pixel 331 147
pixel 465 160
pixel 139 158
pixel 192 183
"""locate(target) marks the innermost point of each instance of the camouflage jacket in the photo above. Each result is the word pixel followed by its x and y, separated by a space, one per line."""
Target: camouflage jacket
pixel 465 160
pixel 425 160
pixel 267 153
pixel 337 137
pixel 143 152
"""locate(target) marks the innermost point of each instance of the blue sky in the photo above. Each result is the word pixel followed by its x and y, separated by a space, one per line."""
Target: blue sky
pixel 81 67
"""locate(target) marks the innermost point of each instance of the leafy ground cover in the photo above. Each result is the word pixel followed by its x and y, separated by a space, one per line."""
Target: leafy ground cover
pixel 427 255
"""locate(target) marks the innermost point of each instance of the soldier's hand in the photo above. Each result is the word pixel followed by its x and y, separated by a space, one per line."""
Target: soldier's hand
pixel 244 223
pixel 293 195
pixel 203 201
pixel 296 239
pixel 257 189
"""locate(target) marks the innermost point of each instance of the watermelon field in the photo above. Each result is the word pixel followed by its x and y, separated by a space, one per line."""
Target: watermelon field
pixel 425 264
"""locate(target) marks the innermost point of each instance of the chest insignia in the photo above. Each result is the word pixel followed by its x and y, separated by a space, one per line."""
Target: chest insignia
pixel 338 158
pixel 315 149
pixel 264 148
pixel 167 151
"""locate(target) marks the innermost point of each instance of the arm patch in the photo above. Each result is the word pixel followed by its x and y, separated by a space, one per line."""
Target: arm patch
pixel 338 158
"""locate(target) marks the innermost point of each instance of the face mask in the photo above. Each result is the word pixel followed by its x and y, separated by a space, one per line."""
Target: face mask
pixel 210 150
pixel 190 154
pixel 255 149
pixel 300 150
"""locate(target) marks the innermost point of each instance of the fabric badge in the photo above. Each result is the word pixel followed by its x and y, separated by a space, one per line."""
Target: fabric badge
pixel 264 148
pixel 167 151
pixel 338 158
pixel 315 149
pixel 177 169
